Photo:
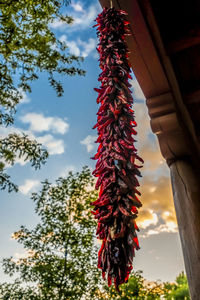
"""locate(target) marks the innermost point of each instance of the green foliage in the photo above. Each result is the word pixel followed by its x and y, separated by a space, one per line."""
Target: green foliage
pixel 28 46
pixel 19 146
pixel 61 253
pixel 178 290
pixel 14 291
pixel 136 288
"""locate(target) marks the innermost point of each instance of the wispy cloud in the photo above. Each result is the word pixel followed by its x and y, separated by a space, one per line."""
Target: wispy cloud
pixel 87 47
pixel 19 255
pixel 147 143
pixel 25 97
pixel 157 213
pixel 79 47
pixel 40 123
pixel 53 145
pixel 83 18
pixel 157 199
pixel 137 91
pixel 67 169
pixel 86 18
pixel 160 200
pixel 147 218
pixel 72 45
pixel 30 185
pixel 77 6
pixel 169 227
pixel 89 142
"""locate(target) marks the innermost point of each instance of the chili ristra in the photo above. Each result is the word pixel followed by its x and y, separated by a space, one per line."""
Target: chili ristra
pixel 116 206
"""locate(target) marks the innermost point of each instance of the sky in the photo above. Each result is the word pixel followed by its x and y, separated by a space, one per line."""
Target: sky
pixel 64 127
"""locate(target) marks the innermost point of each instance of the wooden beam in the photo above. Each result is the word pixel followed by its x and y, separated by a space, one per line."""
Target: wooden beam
pixel 192 97
pixel 188 41
pixel 190 141
pixel 143 57
pixel 186 193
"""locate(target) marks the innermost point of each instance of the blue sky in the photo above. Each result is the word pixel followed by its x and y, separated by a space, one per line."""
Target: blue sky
pixel 64 126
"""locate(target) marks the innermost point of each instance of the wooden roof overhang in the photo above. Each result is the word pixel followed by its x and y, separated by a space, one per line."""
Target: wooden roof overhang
pixel 165 58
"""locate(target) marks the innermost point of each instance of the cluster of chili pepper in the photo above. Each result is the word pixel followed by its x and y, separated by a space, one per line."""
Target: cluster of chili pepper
pixel 116 206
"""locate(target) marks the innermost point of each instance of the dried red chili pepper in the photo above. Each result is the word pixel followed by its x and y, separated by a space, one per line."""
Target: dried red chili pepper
pixel 116 207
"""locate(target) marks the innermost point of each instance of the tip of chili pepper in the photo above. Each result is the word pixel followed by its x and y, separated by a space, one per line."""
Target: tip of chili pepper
pixel 97 90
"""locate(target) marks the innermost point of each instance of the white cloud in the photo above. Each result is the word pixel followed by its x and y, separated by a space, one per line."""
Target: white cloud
pixel 25 97
pixel 170 227
pixel 77 6
pixel 29 185
pixel 137 91
pixel 152 189
pixel 147 218
pixel 88 46
pixel 89 142
pixel 20 255
pixel 73 48
pixel 58 24
pixel 72 45
pixel 83 19
pixel 147 144
pixel 54 146
pixel 4 132
pixel 143 122
pixel 86 18
pixel 67 169
pixel 40 123
pixel 157 214
pixel 79 47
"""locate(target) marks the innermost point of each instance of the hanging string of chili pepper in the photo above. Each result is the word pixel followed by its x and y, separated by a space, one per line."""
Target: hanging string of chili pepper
pixel 116 206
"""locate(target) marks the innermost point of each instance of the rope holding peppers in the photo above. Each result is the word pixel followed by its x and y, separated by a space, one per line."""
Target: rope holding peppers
pixel 116 169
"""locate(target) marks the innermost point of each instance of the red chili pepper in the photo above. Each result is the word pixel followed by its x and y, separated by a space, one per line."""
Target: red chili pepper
pixel 134 210
pixel 124 211
pixel 117 147
pixel 116 207
pixel 117 156
pixel 135 200
pixel 128 146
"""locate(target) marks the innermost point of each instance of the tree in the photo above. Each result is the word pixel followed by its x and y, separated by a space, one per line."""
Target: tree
pixel 135 288
pixel 131 290
pixel 28 46
pixel 138 288
pixel 60 249
pixel 13 146
pixel 178 290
